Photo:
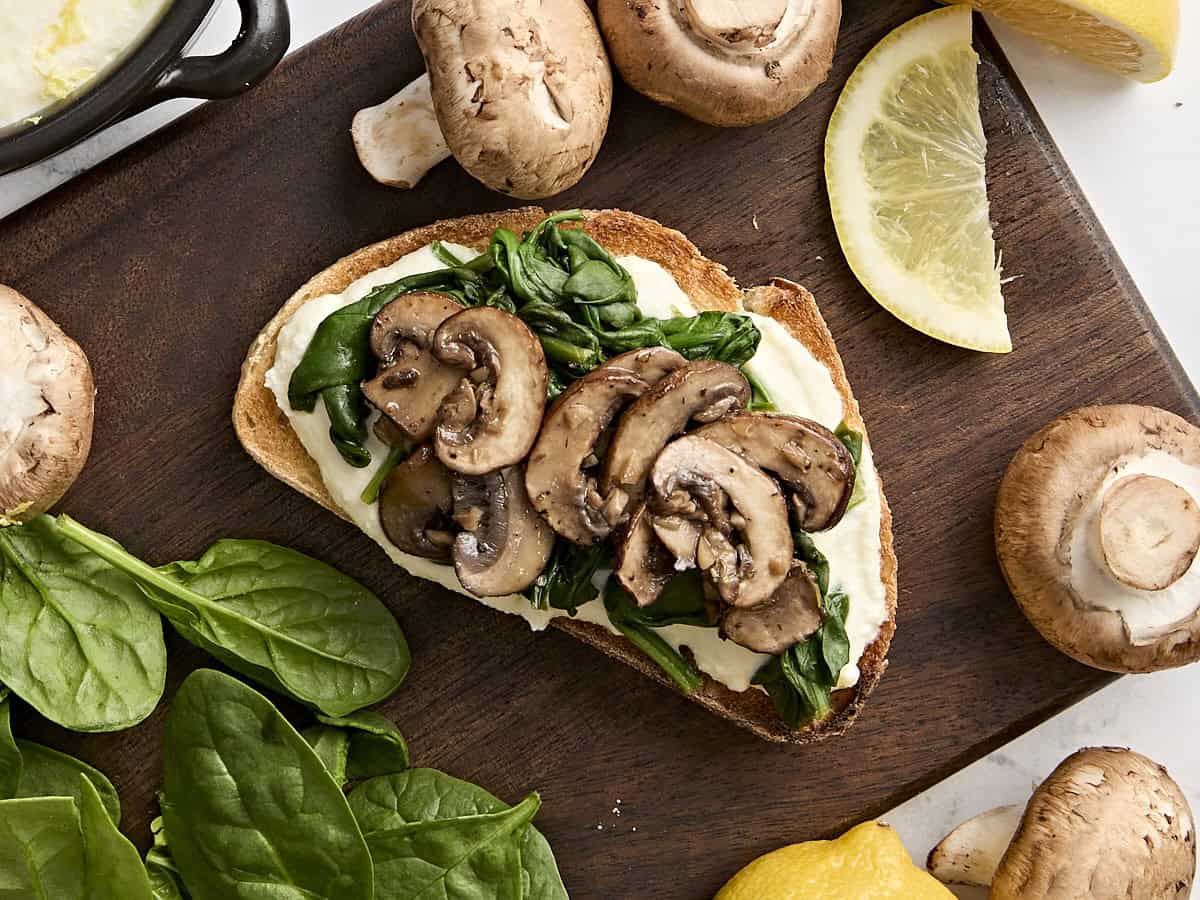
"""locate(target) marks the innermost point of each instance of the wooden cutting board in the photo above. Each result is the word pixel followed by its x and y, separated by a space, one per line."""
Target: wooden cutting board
pixel 165 262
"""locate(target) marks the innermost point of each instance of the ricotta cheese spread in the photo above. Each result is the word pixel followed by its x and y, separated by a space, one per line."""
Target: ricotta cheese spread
pixel 1147 614
pixel 796 381
pixel 49 49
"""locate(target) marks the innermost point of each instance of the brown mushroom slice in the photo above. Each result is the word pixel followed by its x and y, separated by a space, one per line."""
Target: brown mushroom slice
pixel 722 62
pixel 505 544
pixel 791 615
pixel 415 506
pixel 703 390
pixel 644 565
pixel 491 419
pixel 46 409
pixel 808 458
pixel 710 473
pixel 1149 531
pixel 522 90
pixel 411 384
pixel 560 474
pixel 1108 824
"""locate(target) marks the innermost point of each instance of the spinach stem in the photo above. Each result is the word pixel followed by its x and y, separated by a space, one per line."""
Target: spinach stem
pixel 678 669
pixel 395 456
pixel 117 556
pixel 566 353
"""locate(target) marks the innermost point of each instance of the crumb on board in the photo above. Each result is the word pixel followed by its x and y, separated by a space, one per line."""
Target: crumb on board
pixel 754 222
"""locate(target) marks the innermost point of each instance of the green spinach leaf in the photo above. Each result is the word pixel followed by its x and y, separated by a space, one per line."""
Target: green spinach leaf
pixel 160 866
pixel 78 641
pixel 568 581
pixel 48 773
pixel 114 869
pixel 385 804
pixel 282 618
pixel 248 807
pixel 361 745
pixel 807 550
pixel 11 762
pixel 854 443
pixel 332 746
pixel 41 849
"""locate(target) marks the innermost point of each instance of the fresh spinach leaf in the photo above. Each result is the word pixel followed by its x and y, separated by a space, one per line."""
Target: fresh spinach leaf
pixel 361 745
pixel 114 871
pixel 48 773
pixel 78 641
pixel 277 616
pixel 624 615
pixel 248 807
pixel 160 866
pixel 11 762
pixel 41 849
pixel 384 804
pixel 332 746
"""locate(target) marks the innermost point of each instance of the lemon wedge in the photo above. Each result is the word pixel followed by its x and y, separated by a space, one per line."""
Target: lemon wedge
pixel 904 162
pixel 1136 38
pixel 866 863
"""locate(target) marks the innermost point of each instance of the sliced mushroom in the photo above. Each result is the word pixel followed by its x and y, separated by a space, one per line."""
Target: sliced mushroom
pixel 791 615
pixel 415 506
pixel 522 89
pixel 400 140
pixel 745 550
pixel 807 457
pixel 491 419
pixel 1108 824
pixel 561 472
pixel 644 565
pixel 46 409
pixel 722 62
pixel 703 390
pixel 411 384
pixel 505 544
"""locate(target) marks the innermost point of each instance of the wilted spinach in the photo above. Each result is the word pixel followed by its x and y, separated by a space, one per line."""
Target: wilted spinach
pixel 78 641
pixel 627 618
pixel 384 806
pixel 247 805
pixel 284 619
pixel 573 294
pixel 801 680
pixel 853 440
pixel 568 581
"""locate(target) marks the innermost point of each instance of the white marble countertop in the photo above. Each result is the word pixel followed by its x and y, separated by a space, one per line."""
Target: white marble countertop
pixel 1136 152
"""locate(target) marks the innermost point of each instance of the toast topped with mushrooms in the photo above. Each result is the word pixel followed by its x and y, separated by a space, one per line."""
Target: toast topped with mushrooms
pixel 580 420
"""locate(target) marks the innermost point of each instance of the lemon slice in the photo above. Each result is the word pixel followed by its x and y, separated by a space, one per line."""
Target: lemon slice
pixel 1136 38
pixel 904 162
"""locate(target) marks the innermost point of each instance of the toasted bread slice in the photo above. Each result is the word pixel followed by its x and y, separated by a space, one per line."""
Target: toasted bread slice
pixel 265 433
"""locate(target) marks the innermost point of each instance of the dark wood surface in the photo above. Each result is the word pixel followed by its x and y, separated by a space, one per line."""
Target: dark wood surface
pixel 165 262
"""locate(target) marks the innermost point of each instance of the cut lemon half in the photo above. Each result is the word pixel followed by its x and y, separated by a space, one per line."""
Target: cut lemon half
pixel 1136 38
pixel 904 162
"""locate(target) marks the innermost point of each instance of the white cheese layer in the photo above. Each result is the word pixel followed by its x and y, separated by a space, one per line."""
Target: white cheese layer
pixel 51 48
pixel 1147 614
pixel 797 382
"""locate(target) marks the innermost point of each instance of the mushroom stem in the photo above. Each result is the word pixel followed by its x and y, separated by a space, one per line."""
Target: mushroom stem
pixel 971 853
pixel 1149 531
pixel 400 140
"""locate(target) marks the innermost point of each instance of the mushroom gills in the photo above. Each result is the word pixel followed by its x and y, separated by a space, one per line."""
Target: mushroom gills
pixel 792 614
pixel 971 853
pixel 1149 531
pixel 507 545
pixel 411 383
pixel 560 472
pixel 415 506
pixel 704 390
pixel 491 419
pixel 808 458
pixel 727 498
pixel 399 140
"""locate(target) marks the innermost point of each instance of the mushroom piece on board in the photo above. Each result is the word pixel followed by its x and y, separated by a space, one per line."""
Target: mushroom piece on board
pixel 1097 530
pixel 491 419
pixel 522 89
pixel 1108 824
pixel 46 409
pixel 722 62
pixel 399 140
pixel 562 468
pixel 411 383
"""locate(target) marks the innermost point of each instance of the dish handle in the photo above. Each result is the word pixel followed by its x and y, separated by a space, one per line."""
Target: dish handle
pixel 258 47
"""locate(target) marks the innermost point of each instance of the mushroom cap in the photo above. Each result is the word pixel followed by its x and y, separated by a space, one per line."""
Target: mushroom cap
pixel 1108 824
pixel 1049 524
pixel 492 418
pixel 522 88
pixel 415 505
pixel 721 62
pixel 47 399
pixel 560 473
pixel 411 383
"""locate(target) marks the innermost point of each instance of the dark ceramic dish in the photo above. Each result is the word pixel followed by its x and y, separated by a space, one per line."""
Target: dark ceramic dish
pixel 157 70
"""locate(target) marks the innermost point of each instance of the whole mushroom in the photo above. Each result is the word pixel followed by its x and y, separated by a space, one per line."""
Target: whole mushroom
pixel 722 62
pixel 46 409
pixel 1097 532
pixel 519 91
pixel 1108 824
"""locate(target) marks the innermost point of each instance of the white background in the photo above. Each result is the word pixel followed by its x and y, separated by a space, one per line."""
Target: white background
pixel 1135 150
